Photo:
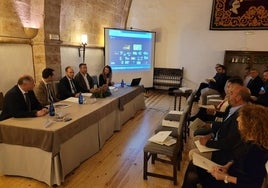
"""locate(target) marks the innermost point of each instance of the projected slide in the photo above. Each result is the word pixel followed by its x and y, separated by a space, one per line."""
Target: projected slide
pixel 130 53
pixel 130 50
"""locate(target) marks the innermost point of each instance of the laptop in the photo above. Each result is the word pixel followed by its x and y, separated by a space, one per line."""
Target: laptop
pixel 134 82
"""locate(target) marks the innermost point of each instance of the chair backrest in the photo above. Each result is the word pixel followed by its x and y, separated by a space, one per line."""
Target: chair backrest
pixel 190 101
pixel 183 118
pixel 95 80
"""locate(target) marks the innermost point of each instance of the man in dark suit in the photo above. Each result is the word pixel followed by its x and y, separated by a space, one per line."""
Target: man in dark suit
pixel 262 98
pixel 44 91
pixel 225 134
pixel 83 79
pixel 68 87
pixel 20 101
pixel 255 83
pixel 205 85
pixel 215 85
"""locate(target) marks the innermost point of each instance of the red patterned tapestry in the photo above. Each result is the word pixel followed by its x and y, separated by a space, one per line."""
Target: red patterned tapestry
pixel 239 15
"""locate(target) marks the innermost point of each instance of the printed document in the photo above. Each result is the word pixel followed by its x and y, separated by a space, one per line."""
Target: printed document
pixel 203 148
pixel 162 137
pixel 203 162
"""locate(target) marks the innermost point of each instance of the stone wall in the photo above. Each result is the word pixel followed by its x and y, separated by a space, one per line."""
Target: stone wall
pixel 66 18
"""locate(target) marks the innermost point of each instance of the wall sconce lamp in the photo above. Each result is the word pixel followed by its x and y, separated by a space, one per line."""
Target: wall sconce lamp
pixel 30 32
pixel 84 43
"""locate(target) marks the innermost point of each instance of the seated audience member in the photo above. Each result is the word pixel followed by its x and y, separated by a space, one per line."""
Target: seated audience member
pixel 225 133
pixel 106 76
pixel 237 96
pixel 215 86
pixel 44 91
pixel 83 79
pixel 247 76
pixel 247 169
pixel 262 99
pixel 224 137
pixel 204 85
pixel 255 83
pixel 209 114
pixel 68 87
pixel 20 101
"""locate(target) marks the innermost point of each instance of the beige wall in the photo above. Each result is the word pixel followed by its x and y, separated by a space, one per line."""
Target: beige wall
pixel 67 19
pixel 15 61
pixel 184 38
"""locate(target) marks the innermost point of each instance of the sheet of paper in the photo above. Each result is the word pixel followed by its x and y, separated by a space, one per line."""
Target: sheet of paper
pixel 160 137
pixel 207 106
pixel 175 112
pixel 214 96
pixel 72 99
pixel 203 162
pixel 216 100
pixel 168 123
pixel 87 94
pixel 170 141
pixel 196 124
pixel 61 105
pixel 203 148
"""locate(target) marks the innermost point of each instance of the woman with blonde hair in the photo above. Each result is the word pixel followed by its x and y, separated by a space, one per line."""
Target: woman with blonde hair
pixel 247 169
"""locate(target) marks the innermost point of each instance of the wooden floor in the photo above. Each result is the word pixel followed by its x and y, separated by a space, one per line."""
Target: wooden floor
pixel 120 161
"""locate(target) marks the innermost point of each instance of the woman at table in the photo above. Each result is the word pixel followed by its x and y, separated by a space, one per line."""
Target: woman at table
pixel 106 76
pixel 247 169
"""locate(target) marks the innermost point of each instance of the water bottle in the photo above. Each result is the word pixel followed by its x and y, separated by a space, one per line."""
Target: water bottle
pixel 122 83
pixel 51 109
pixel 80 98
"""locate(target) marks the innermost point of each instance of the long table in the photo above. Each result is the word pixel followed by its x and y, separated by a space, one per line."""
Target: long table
pixel 48 154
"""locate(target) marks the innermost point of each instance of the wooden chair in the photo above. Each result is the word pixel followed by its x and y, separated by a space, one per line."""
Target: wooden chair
pixel 173 152
pixel 190 102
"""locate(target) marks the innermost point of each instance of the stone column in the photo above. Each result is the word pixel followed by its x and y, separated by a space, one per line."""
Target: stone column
pixel 46 51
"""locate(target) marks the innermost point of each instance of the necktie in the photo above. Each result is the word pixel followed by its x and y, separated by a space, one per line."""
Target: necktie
pixel 73 86
pixel 28 102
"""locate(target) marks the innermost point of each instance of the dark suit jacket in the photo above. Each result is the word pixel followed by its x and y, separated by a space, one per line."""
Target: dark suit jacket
pixel 255 85
pixel 82 84
pixel 15 105
pixel 103 80
pixel 220 82
pixel 248 167
pixel 65 90
pixel 263 98
pixel 228 136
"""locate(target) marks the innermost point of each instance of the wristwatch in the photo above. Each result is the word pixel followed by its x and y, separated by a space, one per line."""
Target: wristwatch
pixel 226 179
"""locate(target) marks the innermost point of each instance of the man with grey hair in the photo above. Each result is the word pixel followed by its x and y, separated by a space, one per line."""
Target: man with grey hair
pixel 20 101
pixel 224 136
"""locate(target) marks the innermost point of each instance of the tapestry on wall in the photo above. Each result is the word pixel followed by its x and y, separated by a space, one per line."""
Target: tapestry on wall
pixel 239 15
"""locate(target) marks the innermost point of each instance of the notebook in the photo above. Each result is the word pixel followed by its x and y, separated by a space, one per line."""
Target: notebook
pixel 134 82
